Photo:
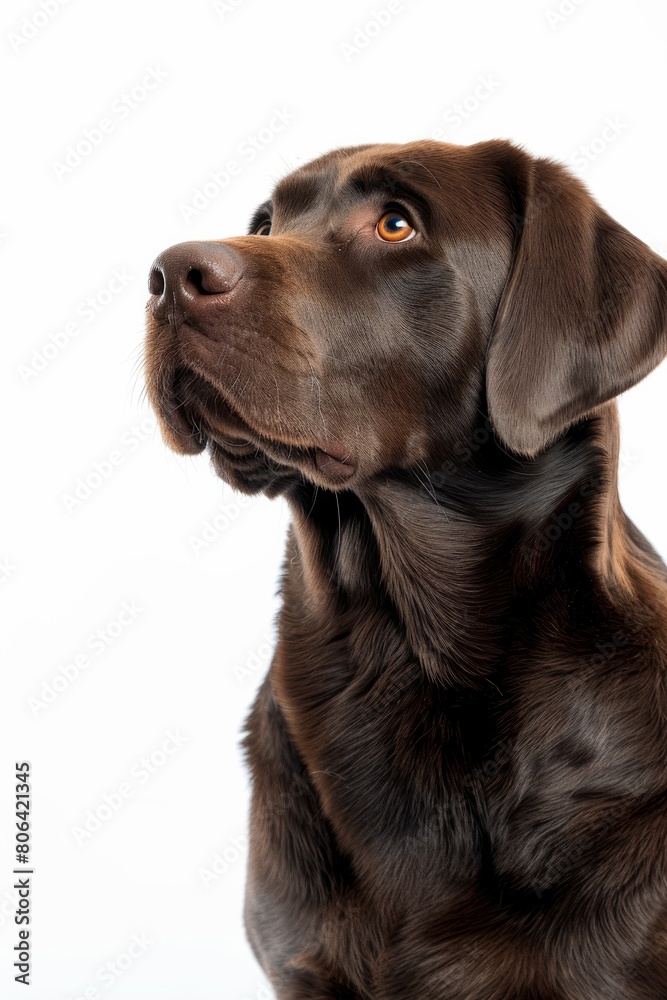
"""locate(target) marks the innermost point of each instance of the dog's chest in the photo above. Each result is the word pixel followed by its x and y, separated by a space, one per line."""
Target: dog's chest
pixel 426 786
pixel 400 767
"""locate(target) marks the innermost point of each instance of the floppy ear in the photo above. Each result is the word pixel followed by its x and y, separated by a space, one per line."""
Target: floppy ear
pixel 582 318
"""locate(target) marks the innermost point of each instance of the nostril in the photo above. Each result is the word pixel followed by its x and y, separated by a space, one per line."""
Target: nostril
pixel 212 281
pixel 156 282
pixel 196 278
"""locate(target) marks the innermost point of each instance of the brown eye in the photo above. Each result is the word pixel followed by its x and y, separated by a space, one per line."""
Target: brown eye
pixel 263 229
pixel 394 227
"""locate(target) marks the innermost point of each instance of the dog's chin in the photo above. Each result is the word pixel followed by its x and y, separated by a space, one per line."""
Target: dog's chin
pixel 249 460
pixel 249 469
pixel 236 455
pixel 258 464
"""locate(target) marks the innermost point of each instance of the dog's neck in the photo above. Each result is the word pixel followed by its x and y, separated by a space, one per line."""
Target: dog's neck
pixel 454 550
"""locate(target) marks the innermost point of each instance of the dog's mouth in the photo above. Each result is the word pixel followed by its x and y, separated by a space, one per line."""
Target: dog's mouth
pixel 198 417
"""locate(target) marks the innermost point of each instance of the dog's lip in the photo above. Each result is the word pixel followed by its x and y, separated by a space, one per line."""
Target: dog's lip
pixel 335 461
pixel 182 423
pixel 191 438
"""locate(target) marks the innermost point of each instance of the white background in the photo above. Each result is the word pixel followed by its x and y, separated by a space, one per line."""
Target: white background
pixel 189 660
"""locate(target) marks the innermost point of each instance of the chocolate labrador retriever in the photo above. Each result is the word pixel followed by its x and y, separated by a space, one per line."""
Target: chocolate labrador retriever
pixel 459 754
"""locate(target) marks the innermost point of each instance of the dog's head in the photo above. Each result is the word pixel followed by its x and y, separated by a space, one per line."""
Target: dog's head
pixel 384 297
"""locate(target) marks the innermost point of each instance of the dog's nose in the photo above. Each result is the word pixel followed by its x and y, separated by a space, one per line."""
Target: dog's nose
pixel 187 271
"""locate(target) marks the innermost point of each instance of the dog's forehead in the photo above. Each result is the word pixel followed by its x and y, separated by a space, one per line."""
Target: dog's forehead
pixel 433 173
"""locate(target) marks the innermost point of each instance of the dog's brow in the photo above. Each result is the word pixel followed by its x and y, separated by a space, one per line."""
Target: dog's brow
pixel 374 180
pixel 299 192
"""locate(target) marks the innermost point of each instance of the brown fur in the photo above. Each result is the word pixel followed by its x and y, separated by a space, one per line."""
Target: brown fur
pixel 459 754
